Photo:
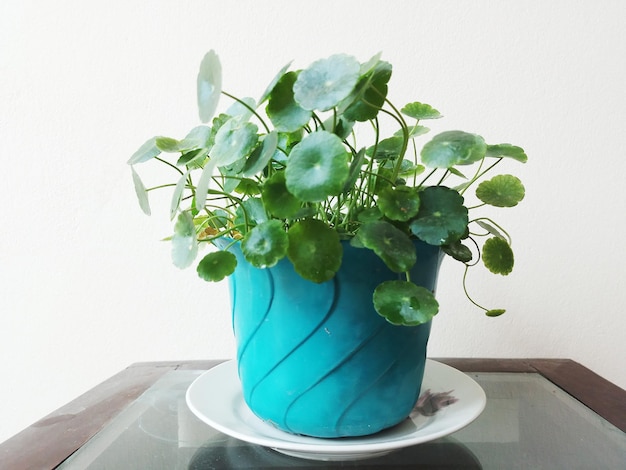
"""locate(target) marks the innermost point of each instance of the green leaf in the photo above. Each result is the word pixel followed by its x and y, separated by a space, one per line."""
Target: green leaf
pixel 370 214
pixel 167 144
pixel 248 187
pixel 232 175
pixel 407 167
pixel 414 131
pixel 209 85
pixel 326 82
pixel 404 303
pixel 259 160
pixel 273 83
pixel 184 241
pixel 217 265
pixel 146 152
pixel 234 141
pixel 456 172
pixel 265 244
pixel 400 203
pixel 197 138
pixel 140 190
pixel 202 188
pixel 250 212
pixel 420 111
pixel 496 312
pixel 277 199
pixel 387 148
pixel 283 111
pixel 193 158
pixel 338 125
pixel 507 151
pixel 317 167
pixel 490 228
pixel 369 95
pixel 458 251
pixel 442 218
pixel 498 256
pixel 501 191
pixel 391 244
pixel 354 171
pixel 452 148
pixel 177 195
pixel 242 109
pixel 314 250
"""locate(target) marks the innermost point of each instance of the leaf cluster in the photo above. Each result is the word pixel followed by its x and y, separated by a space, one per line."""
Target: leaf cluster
pixel 304 167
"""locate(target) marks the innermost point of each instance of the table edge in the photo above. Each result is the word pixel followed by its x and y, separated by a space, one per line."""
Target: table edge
pixel 86 415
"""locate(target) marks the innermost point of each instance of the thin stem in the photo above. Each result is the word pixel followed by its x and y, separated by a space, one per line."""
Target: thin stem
pixel 170 165
pixel 467 294
pixel 253 111
pixel 432 172
pixel 445 175
pixel 480 173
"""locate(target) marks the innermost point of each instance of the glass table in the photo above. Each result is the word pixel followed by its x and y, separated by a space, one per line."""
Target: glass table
pixel 538 415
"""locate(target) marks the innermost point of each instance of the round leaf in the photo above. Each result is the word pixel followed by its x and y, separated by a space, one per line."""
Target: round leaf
pixel 391 244
pixel 420 111
pixel 141 192
pixel 273 83
pixel 233 141
pixel 414 131
pixel 326 82
pixel 283 111
pixel 458 251
pixel 184 241
pixel 178 194
pixel 250 212
pixel 452 148
pixel 507 151
pixel 217 265
pixel 146 152
pixel 387 148
pixel 369 95
pixel 401 203
pixel 167 144
pixel 370 214
pixel 442 218
pixel 209 85
pixel 197 138
pixel 262 155
pixel 404 303
pixel 265 244
pixel 498 256
pixel 276 199
pixel 501 191
pixel 314 250
pixel 317 167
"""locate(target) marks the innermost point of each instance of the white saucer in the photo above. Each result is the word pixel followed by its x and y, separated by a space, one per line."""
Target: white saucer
pixel 216 399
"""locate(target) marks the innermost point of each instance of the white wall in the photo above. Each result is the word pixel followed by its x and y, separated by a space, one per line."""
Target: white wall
pixel 86 287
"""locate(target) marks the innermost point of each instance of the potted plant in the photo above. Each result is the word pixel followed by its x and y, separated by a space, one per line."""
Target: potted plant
pixel 331 216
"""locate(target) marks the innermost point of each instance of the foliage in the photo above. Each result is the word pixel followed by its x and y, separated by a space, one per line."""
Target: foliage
pixel 288 176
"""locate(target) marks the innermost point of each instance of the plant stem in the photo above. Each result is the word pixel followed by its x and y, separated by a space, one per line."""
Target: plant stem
pixel 467 294
pixel 169 164
pixel 252 110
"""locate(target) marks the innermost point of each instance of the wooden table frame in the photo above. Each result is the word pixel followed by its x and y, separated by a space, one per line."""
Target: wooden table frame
pixel 51 440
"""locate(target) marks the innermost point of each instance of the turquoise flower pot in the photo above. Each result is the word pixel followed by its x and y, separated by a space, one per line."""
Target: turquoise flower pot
pixel 316 359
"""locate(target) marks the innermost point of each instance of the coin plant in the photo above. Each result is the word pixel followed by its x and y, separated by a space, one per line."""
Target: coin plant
pixel 307 165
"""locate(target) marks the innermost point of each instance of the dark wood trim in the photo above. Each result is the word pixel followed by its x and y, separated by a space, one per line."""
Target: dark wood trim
pixel 48 442
pixel 603 397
